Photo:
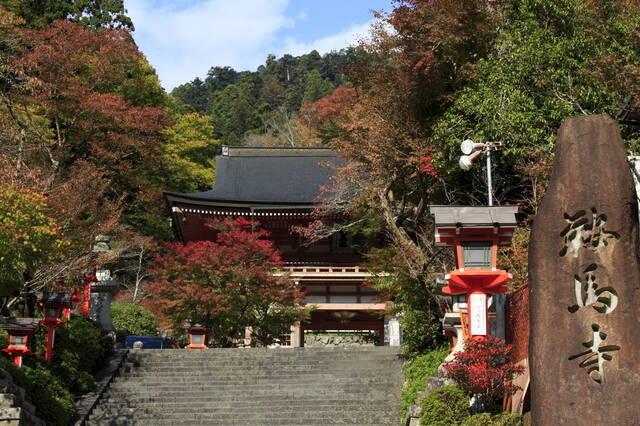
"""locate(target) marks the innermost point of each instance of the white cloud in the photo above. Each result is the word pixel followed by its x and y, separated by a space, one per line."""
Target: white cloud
pixel 182 39
pixel 348 37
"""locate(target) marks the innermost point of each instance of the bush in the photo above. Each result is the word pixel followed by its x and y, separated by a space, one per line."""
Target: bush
pixel 483 369
pixel 53 402
pixel 4 339
pixel 420 331
pixel 446 406
pixel 500 419
pixel 417 371
pixel 79 351
pixel 134 319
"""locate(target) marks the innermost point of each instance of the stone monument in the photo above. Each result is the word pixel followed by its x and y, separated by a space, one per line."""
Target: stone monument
pixel 102 290
pixel 584 283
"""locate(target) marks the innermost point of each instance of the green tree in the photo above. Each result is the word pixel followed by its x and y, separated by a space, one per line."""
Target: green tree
pixel 28 238
pixel 234 112
pixel 316 87
pixel 194 94
pixel 135 319
pixel 551 60
pixel 188 153
pixel 220 77
pixel 90 13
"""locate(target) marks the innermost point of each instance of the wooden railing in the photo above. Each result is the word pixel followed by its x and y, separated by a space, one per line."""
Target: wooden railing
pixel 325 269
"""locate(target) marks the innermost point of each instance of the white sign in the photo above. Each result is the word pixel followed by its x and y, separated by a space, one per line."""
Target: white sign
pixel 103 274
pixel 478 314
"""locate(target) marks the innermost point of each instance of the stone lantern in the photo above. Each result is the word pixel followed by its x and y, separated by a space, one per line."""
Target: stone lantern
pixel 100 289
pixel 198 334
pixel 102 292
pixel 21 331
pixel 52 305
pixel 476 233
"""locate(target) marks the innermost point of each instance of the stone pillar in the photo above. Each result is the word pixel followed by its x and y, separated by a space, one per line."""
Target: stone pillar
pixel 247 336
pixel 584 283
pixel 394 332
pixel 102 293
pixel 295 335
pixel 459 347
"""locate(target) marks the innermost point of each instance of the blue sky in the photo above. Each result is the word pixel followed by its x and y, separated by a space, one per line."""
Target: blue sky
pixel 184 38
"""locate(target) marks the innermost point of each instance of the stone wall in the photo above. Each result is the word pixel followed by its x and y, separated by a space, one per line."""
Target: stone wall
pixel 14 408
pixel 338 340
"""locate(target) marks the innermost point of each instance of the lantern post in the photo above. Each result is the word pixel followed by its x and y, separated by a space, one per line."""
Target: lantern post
pixel 21 331
pixel 476 234
pixel 198 334
pixel 52 305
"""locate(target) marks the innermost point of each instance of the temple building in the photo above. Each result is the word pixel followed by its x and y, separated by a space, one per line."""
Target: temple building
pixel 278 187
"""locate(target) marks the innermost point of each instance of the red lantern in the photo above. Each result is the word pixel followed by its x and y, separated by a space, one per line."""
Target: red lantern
pixel 52 304
pixel 476 233
pixel 198 335
pixel 21 332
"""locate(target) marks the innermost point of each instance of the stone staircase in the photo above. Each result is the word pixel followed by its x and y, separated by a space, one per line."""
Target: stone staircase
pixel 14 408
pixel 255 386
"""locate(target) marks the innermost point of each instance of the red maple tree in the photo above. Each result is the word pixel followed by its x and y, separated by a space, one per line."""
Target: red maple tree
pixel 229 283
pixel 483 369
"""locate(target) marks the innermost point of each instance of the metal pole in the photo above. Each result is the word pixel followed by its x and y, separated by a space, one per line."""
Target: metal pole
pixel 489 184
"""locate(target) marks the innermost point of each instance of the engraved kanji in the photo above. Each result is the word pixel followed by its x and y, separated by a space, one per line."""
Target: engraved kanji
pixel 588 293
pixel 584 232
pixel 596 354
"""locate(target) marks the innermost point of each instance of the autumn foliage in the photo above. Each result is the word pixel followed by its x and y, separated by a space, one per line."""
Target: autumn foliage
pixel 28 237
pixel 229 284
pixel 330 109
pixel 483 368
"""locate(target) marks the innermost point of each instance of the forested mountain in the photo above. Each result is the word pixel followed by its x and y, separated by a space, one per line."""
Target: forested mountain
pixel 253 106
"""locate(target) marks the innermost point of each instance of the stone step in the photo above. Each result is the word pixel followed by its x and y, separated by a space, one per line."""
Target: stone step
pixel 270 387
pixel 320 420
pixel 331 416
pixel 221 367
pixel 280 422
pixel 262 395
pixel 262 361
pixel 252 396
pixel 273 405
pixel 208 377
pixel 300 386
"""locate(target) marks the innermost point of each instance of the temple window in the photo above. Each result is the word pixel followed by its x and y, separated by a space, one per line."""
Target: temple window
pixel 342 241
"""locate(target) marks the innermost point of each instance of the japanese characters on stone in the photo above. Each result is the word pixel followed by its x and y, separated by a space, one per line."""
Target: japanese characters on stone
pixel 591 285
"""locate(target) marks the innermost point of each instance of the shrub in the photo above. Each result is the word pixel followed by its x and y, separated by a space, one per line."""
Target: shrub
pixel 482 369
pixel 500 419
pixel 53 402
pixel 4 339
pixel 417 371
pixel 80 349
pixel 133 318
pixel 419 331
pixel 446 406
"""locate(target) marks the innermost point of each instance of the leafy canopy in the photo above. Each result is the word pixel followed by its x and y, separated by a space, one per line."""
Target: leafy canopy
pixel 228 284
pixel 28 236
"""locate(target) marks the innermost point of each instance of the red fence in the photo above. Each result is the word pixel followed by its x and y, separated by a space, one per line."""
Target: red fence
pixel 517 332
